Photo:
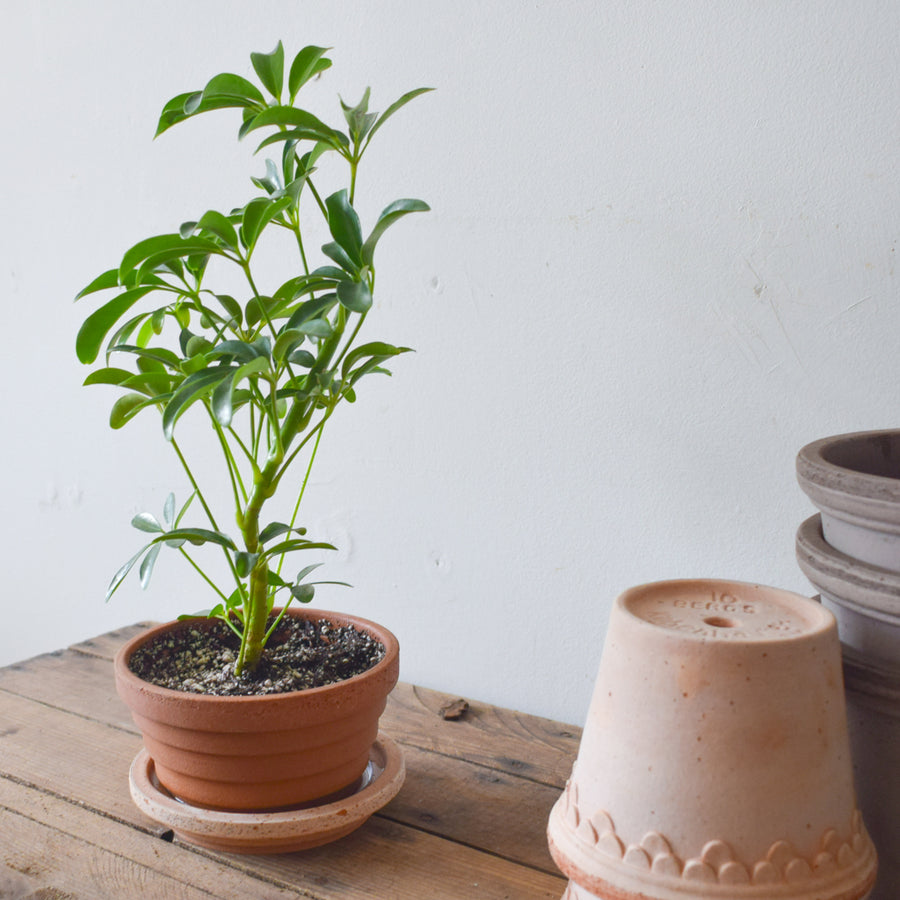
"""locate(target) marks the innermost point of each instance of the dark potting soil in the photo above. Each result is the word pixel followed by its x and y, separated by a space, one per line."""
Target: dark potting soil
pixel 300 654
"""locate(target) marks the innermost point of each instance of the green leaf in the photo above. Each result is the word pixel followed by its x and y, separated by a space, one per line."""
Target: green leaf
pixel 108 375
pixel 355 296
pixel 257 214
pixel 276 529
pixel 195 386
pixel 169 510
pixel 270 69
pixel 242 351
pixel 305 571
pixel 96 326
pixel 197 536
pixel 375 349
pixel 334 251
pixel 163 246
pixel 147 565
pixel 228 86
pixel 397 104
pixel 244 562
pixel 119 577
pixel 311 309
pixel 343 223
pixel 308 126
pixel 232 307
pixel 109 279
pixel 147 522
pixel 316 328
pixel 287 341
pixel 390 214
pixel 220 226
pixel 222 398
pixel 157 354
pixel 308 63
pixel 126 408
pixel 153 384
pixel 303 593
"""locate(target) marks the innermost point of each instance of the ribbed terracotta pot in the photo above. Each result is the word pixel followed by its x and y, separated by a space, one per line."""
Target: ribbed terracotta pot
pixel 715 760
pixel 263 752
pixel 854 479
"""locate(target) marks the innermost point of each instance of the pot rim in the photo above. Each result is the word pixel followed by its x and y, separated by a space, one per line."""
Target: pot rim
pixel 868 589
pixel 816 472
pixel 134 682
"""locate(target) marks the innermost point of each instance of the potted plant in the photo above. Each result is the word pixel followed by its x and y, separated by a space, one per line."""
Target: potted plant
pixel 267 369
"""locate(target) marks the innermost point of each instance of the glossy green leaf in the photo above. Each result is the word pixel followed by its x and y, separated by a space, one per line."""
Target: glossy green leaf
pixel 228 86
pixel 334 251
pixel 126 408
pixel 197 536
pixel 153 384
pixel 109 375
pixel 312 309
pixel 97 325
pixel 109 279
pixel 158 354
pixel 343 223
pixel 397 104
pixel 257 214
pixel 241 351
pixel 286 343
pixel 375 349
pixel 162 247
pixel 316 328
pixel 311 127
pixel 307 284
pixel 222 398
pixel 308 63
pixel 197 385
pixel 220 226
pixel 276 529
pixel 355 296
pixel 390 214
pixel 244 562
pixel 270 69
pixel 232 307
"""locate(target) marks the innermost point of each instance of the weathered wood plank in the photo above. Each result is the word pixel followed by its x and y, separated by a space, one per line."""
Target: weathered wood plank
pixel 517 743
pixel 439 796
pixel 476 805
pixel 107 644
pixel 86 762
pixel 49 843
pixel 514 743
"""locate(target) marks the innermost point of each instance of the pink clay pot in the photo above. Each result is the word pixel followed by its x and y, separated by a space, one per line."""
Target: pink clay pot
pixel 715 761
pixel 263 752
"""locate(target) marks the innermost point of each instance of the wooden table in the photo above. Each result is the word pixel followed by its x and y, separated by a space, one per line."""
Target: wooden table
pixel 468 824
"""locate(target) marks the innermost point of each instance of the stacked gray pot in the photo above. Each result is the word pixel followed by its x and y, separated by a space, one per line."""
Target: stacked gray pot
pixel 851 553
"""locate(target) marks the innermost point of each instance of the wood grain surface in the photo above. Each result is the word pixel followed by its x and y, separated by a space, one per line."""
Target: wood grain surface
pixel 469 824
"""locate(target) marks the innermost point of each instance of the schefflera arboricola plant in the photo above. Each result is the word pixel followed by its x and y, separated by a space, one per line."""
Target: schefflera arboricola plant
pixel 267 370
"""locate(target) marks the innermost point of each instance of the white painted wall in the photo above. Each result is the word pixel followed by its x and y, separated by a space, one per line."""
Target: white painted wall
pixel 661 259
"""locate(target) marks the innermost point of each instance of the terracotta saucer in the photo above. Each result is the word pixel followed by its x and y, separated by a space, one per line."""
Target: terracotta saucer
pixel 279 831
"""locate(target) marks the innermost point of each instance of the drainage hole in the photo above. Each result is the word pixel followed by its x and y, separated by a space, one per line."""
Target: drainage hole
pixel 720 622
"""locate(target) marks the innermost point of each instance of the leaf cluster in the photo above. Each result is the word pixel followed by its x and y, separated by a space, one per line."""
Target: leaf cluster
pixel 267 369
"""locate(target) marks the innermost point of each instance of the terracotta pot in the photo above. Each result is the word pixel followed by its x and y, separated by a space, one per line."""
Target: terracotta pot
pixel 263 752
pixel 715 760
pixel 854 479
pixel 864 598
